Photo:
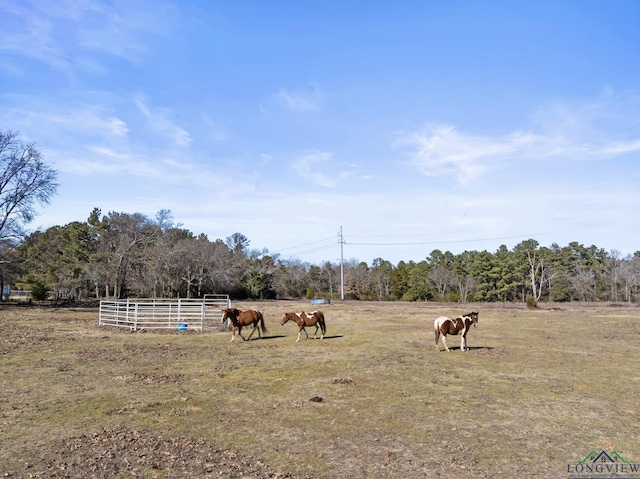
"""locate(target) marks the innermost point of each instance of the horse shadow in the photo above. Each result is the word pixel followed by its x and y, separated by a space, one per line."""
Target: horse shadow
pixel 473 348
pixel 270 336
pixel 278 336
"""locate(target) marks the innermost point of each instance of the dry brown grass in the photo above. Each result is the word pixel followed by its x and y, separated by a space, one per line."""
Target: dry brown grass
pixel 538 390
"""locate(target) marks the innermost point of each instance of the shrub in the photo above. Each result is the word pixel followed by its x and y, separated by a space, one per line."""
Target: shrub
pixel 38 291
pixel 531 302
pixel 452 297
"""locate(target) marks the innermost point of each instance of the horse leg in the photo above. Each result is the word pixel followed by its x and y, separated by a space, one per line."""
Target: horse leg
pixel 463 342
pixel 256 326
pixel 316 331
pixel 240 333
pixel 437 333
pixel 253 331
pixel 300 331
pixel 444 341
pixel 233 332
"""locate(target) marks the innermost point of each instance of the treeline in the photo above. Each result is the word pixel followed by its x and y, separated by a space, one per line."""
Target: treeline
pixel 120 255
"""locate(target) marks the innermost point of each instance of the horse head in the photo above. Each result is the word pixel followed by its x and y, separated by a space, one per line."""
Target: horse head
pixel 286 317
pixel 473 316
pixel 228 313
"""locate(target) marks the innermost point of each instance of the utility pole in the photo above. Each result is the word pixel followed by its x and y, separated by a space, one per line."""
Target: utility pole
pixel 341 241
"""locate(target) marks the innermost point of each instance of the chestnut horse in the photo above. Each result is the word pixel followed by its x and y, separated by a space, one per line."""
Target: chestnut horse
pixel 302 319
pixel 238 319
pixel 443 326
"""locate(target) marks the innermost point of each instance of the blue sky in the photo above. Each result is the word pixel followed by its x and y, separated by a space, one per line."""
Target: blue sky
pixel 414 125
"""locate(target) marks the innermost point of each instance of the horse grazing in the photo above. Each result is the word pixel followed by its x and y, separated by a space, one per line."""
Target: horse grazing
pixel 302 319
pixel 443 326
pixel 238 319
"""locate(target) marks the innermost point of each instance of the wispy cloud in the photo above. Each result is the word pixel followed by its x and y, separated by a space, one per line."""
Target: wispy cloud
pixel 307 166
pixel 101 160
pixel 155 167
pixel 299 100
pixel 442 150
pixel 215 131
pixel 70 36
pixel 91 119
pixel 564 132
pixel 313 167
pixel 159 121
pixel 30 34
pixel 64 119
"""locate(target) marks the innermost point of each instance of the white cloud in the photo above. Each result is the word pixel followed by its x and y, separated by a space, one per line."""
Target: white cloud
pixel 595 130
pixel 160 122
pixel 308 167
pixel 64 120
pixel 104 161
pixel 296 100
pixel 314 165
pixel 215 131
pixel 68 36
pixel 91 120
pixel 442 150
pixel 621 147
pixel 34 39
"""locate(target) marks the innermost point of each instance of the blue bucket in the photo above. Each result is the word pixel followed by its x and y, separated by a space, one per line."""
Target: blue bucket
pixel 183 326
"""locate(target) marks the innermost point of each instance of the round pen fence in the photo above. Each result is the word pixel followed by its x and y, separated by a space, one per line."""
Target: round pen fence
pixel 179 314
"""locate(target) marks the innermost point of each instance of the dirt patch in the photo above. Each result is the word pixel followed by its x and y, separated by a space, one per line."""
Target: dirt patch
pixel 158 378
pixel 131 352
pixel 133 453
pixel 14 339
pixel 342 381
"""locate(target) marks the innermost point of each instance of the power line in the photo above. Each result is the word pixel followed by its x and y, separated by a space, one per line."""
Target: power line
pixel 342 242
pixel 315 250
pixel 473 240
pixel 307 244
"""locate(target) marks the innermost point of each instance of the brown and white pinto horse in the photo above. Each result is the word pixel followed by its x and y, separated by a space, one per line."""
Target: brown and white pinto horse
pixel 302 319
pixel 238 319
pixel 444 325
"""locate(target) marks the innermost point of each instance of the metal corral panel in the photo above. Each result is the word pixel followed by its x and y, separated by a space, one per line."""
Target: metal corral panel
pixel 215 303
pixel 179 314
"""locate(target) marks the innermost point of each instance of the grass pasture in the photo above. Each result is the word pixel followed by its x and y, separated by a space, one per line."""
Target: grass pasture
pixel 539 390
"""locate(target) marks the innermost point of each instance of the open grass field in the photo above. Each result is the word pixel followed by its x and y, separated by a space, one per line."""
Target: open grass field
pixel 538 390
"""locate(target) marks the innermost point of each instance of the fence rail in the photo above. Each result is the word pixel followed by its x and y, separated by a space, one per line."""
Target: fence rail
pixel 180 314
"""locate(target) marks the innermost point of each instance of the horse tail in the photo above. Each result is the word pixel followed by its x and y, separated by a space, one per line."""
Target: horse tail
pixel 323 326
pixel 264 328
pixel 436 330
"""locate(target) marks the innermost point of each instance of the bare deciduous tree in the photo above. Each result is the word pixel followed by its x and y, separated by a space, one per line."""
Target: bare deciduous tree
pixel 583 281
pixel 441 278
pixel 25 180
